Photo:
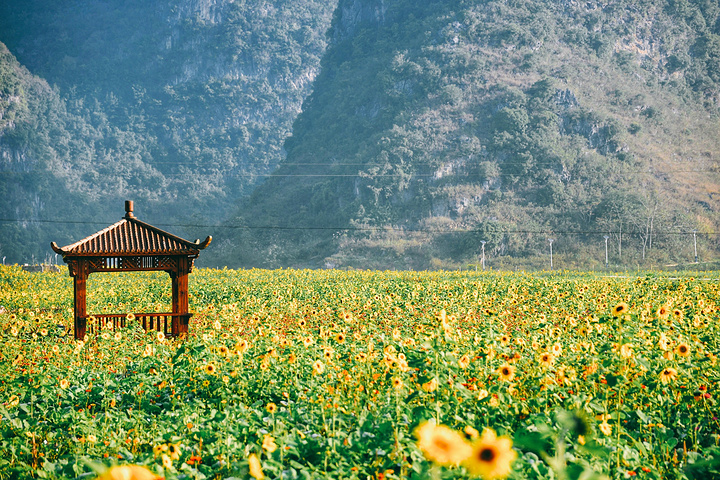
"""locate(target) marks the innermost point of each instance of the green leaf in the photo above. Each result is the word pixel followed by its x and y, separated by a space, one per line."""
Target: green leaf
pixel 533 442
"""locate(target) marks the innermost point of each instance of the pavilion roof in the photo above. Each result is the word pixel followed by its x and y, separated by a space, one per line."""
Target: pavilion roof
pixel 131 236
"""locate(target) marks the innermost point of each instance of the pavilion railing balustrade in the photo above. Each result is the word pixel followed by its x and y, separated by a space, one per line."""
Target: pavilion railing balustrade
pixel 160 322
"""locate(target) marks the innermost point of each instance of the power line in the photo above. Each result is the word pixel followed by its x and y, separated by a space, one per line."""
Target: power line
pixel 360 228
pixel 369 175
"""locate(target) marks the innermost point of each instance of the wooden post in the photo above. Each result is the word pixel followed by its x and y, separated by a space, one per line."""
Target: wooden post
pixel 80 274
pixel 180 324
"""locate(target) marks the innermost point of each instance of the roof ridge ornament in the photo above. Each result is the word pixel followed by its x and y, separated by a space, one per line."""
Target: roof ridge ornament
pixel 129 209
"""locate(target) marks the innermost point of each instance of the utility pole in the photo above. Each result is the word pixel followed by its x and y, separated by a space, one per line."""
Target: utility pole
pixel 695 242
pixel 606 237
pixel 551 262
pixel 482 243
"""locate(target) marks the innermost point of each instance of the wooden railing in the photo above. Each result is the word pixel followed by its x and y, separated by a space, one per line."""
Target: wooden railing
pixel 171 324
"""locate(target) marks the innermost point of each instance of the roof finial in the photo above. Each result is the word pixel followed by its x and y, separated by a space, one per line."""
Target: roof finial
pixel 129 209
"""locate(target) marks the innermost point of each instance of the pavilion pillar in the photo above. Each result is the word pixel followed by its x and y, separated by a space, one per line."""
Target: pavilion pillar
pixel 79 271
pixel 180 305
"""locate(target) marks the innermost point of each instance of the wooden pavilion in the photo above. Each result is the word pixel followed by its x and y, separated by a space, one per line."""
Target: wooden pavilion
pixel 131 245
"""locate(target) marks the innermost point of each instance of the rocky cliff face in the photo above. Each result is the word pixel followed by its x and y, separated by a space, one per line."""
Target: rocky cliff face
pixel 435 125
pixel 183 106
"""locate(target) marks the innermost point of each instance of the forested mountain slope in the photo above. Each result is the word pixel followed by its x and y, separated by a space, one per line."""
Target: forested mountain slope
pixel 436 125
pixel 181 106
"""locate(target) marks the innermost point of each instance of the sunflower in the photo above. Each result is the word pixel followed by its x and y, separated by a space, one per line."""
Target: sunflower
pixel 128 472
pixel 491 456
pixel 547 359
pixel 678 314
pixel 307 341
pixel 255 467
pixel 470 432
pixel 340 337
pixel 166 461
pixel 626 350
pixel 269 444
pixel 506 372
pixel 396 335
pixel 442 445
pixel 620 309
pixel 318 367
pixel 210 369
pixel 174 451
pixel 464 361
pixel 605 428
pixel 430 386
pixel 663 312
pixel 397 383
pixel 242 346
pixel 64 383
pixel 683 349
pixel 668 375
pixel 271 407
pixel 159 449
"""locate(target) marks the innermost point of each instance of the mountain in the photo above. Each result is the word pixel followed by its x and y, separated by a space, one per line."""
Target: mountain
pixel 435 126
pixel 180 106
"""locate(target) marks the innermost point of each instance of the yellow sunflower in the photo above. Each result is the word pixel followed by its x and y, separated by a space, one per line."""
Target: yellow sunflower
pixel 442 445
pixel 430 386
pixel 128 472
pixel 491 456
pixel 242 346
pixel 626 350
pixel 269 444
pixel 255 467
pixel 174 451
pixel 547 359
pixel 506 372
pixel 605 428
pixel 318 367
pixel 668 375
pixel 620 309
pixel 683 349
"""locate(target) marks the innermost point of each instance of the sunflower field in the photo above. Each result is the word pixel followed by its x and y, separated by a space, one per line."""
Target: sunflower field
pixel 299 374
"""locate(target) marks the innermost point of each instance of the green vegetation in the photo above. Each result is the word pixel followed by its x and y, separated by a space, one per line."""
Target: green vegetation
pixel 328 374
pixel 436 125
